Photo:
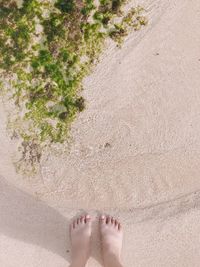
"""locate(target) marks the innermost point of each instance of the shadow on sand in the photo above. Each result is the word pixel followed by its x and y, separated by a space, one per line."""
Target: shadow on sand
pixel 24 218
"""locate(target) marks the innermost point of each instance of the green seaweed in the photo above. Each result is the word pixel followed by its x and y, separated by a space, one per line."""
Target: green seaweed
pixel 48 67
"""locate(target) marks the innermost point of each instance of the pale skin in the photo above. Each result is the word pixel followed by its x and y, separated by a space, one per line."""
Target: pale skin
pixel 111 241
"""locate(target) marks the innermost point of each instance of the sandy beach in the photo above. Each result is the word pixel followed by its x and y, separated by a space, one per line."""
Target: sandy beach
pixel 134 153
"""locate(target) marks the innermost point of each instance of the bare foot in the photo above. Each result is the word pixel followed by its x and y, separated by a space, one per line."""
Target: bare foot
pixel 111 238
pixel 80 233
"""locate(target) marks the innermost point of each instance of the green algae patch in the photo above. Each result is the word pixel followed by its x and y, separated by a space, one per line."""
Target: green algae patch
pixel 46 49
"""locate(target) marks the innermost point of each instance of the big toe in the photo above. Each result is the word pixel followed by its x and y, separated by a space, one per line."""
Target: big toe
pixel 102 219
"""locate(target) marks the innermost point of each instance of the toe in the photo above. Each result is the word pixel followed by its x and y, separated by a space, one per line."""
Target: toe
pixel 82 219
pixel 74 224
pixel 87 219
pixel 119 226
pixel 112 221
pixel 108 219
pixel 116 223
pixel 102 219
pixel 78 221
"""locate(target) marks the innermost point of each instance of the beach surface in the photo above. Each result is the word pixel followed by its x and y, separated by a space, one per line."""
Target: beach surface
pixel 134 154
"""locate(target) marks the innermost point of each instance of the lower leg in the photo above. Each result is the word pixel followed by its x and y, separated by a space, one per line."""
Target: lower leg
pixel 112 261
pixel 111 240
pixel 80 233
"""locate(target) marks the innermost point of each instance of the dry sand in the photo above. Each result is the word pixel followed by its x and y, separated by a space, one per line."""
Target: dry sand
pixel 135 154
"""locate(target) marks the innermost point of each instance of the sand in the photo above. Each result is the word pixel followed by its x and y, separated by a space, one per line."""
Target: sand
pixel 134 154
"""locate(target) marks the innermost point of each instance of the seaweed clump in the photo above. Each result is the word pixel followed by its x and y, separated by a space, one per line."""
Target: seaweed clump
pixel 46 49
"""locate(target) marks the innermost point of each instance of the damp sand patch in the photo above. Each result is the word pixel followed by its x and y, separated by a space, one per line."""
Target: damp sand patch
pixel 46 50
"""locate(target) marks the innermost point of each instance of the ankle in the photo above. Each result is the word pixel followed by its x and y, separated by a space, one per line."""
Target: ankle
pixel 77 264
pixel 111 260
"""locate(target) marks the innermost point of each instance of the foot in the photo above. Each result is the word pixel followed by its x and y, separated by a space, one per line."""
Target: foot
pixel 80 233
pixel 111 238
